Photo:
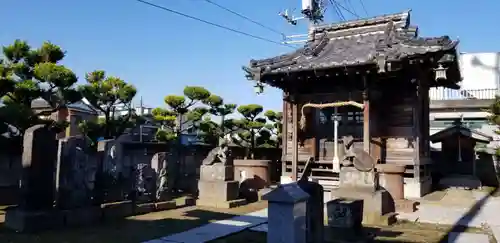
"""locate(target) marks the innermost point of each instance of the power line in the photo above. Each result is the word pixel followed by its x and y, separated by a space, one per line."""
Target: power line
pixel 337 10
pixel 336 3
pixel 364 8
pixel 245 17
pixel 349 5
pixel 211 23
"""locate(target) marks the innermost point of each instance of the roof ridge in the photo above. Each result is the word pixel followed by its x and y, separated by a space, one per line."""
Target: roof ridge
pixel 376 20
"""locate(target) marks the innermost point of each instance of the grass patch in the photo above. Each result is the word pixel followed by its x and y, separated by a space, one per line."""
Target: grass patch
pixel 133 229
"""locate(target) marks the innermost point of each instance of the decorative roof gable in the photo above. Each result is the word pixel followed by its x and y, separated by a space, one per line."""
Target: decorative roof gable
pixel 377 41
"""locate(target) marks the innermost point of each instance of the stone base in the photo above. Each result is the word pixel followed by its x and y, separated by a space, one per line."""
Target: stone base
pixel 82 216
pixel 185 201
pixel 221 204
pixel 218 190
pixel 376 204
pixel 405 206
pixel 217 172
pixel 166 205
pixel 144 208
pixel 345 214
pixel 117 210
pixel 352 177
pixel 25 221
pixel 414 188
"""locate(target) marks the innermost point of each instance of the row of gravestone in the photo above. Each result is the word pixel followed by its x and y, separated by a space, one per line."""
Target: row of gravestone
pixel 63 178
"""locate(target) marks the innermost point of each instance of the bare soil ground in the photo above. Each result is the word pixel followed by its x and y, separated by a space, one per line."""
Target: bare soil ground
pixel 132 229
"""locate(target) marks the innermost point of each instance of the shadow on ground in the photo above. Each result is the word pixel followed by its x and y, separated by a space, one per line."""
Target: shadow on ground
pixel 470 215
pixel 134 229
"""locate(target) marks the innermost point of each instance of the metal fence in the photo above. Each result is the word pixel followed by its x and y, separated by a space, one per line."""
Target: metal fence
pixel 461 94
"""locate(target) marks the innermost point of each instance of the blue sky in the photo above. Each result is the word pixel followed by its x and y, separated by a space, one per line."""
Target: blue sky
pixel 160 53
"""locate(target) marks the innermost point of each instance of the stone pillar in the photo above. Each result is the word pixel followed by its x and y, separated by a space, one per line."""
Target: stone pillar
pixel 217 187
pixel 315 210
pixel 36 206
pixel 391 178
pixel 287 214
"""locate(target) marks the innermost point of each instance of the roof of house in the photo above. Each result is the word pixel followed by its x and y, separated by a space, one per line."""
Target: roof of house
pixel 79 106
pixel 459 129
pixel 377 41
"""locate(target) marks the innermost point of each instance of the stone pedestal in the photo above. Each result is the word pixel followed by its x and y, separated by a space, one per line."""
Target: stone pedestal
pixel 352 177
pixel 345 214
pixel 378 206
pixel 392 180
pixel 217 187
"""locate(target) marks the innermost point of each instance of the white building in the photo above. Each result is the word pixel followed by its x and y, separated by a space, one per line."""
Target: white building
pixel 481 82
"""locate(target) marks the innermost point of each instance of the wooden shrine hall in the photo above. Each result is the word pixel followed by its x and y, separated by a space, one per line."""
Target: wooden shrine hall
pixel 365 79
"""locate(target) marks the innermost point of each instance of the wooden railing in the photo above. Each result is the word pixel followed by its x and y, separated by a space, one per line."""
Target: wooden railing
pixel 461 94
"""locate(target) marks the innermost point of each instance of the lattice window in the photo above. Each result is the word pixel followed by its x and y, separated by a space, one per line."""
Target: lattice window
pixel 354 117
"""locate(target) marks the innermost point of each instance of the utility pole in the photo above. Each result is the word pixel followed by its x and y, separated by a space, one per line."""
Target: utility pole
pixel 312 11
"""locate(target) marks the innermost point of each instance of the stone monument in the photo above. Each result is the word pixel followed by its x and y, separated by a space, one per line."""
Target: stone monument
pixel 145 183
pixel 164 184
pixel 217 187
pixel 359 181
pixel 76 172
pixel 287 208
pixel 36 206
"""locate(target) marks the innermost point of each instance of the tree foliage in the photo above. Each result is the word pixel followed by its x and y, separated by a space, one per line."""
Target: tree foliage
pixel 212 131
pixel 271 135
pixel 249 126
pixel 110 95
pixel 27 74
pixel 181 112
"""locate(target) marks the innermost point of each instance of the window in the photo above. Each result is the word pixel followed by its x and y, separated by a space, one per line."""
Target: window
pixel 76 119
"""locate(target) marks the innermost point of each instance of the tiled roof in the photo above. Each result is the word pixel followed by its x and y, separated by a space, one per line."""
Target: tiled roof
pixel 377 41
pixel 79 105
pixel 462 131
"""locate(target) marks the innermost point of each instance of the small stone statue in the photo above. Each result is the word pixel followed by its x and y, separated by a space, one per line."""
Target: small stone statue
pixel 161 182
pixel 349 154
pixel 220 154
pixel 361 160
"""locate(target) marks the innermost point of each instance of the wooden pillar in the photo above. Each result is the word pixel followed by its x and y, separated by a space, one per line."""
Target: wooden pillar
pixel 284 133
pixel 295 145
pixel 366 117
pixel 417 129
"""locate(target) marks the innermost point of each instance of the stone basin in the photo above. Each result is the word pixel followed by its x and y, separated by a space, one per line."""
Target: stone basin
pixel 390 168
pixel 254 174
pixel 391 178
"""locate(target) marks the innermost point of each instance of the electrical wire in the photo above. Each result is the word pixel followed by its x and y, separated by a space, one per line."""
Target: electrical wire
pixel 349 5
pixel 337 10
pixel 245 17
pixel 211 23
pixel 338 5
pixel 364 8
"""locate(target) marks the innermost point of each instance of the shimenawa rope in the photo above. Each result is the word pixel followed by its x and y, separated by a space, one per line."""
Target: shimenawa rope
pixel 322 106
